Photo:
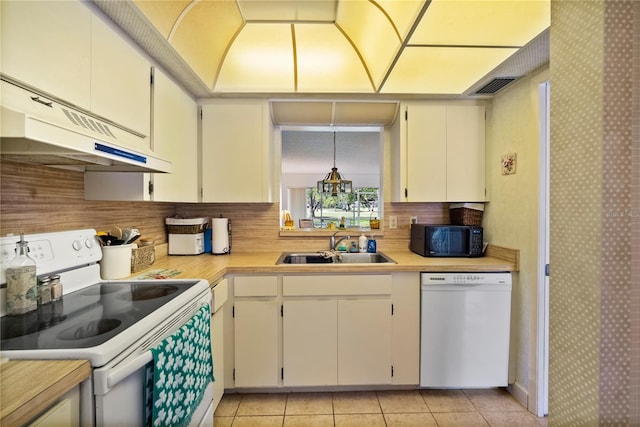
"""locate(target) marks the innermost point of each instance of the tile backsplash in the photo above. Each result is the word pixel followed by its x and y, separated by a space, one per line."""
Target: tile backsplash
pixel 37 199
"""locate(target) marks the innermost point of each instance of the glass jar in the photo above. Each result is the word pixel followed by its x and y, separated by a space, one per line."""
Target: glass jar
pixel 44 290
pixel 22 283
pixel 56 288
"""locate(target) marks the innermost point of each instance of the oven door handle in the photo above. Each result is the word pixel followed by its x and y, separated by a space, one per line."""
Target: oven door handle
pixel 121 372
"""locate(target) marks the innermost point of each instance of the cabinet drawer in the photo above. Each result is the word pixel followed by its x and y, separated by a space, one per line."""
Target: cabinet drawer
pixel 219 293
pixel 255 286
pixel 339 284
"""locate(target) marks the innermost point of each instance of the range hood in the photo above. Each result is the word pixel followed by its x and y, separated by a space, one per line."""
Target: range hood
pixel 40 130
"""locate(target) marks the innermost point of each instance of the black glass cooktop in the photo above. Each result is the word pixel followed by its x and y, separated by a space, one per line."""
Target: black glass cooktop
pixel 88 317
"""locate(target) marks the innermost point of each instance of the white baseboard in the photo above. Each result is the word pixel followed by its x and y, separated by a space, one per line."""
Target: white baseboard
pixel 519 393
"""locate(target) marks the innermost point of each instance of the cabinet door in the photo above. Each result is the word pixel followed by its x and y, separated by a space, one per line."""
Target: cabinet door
pixel 120 79
pixel 235 152
pixel 445 153
pixel 256 343
pixel 174 137
pixel 426 153
pixel 217 351
pixel 309 343
pixel 48 45
pixel 465 153
pixel 364 341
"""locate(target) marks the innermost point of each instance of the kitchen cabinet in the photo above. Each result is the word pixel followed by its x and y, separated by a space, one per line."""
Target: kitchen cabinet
pixel 340 333
pixel 48 46
pixel 66 412
pixel 120 79
pixel 439 154
pixel 309 330
pixel 219 298
pixel 256 314
pixel 364 341
pixel 66 51
pixel 174 137
pixel 323 330
pixel 236 158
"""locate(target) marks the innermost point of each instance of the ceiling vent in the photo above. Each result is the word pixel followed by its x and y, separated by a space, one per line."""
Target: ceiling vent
pixel 495 85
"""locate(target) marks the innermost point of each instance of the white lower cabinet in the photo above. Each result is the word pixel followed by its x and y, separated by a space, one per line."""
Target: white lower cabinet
pixel 340 333
pixel 364 341
pixel 256 314
pixel 324 330
pixel 66 412
pixel 219 294
pixel 310 348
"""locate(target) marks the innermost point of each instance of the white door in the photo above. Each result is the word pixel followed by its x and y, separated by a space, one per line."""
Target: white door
pixel 310 347
pixel 364 341
pixel 426 153
pixel 256 343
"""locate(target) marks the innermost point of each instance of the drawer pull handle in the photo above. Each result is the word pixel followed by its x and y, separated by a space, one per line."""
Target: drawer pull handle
pixel 37 99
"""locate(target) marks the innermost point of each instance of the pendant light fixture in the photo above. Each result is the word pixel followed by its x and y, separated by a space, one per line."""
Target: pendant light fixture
pixel 334 183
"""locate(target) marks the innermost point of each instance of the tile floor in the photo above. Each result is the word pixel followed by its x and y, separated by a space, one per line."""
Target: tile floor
pixel 443 408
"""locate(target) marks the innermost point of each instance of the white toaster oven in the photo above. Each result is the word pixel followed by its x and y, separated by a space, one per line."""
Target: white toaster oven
pixel 186 244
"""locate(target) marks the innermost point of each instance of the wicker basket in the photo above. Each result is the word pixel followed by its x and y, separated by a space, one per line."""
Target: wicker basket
pixel 466 213
pixel 186 225
pixel 142 258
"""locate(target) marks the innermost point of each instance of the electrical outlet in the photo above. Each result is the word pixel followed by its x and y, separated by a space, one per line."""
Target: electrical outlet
pixel 393 222
pixel 413 220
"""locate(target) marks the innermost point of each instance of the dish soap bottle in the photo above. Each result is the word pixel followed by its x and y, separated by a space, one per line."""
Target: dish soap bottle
pixel 362 243
pixel 22 283
pixel 371 245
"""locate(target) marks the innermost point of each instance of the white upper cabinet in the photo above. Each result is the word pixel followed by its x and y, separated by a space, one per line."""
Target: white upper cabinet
pixel 120 79
pixel 236 160
pixel 439 155
pixel 465 153
pixel 174 137
pixel 48 46
pixel 63 49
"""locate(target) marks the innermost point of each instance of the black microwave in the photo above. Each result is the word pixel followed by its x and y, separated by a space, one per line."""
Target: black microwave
pixel 446 240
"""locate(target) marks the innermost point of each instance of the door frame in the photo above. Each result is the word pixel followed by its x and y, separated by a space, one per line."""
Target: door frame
pixel 542 350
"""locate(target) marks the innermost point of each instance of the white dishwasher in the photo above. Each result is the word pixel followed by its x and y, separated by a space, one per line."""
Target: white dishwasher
pixel 464 334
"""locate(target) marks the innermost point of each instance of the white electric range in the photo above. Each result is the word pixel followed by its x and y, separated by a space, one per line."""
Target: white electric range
pixel 113 324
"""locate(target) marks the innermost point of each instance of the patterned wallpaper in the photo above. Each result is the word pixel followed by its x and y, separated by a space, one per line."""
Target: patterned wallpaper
pixel 512 126
pixel 591 140
pixel 634 393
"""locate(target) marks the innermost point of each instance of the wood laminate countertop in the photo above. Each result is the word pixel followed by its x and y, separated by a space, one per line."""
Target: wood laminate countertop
pixel 214 267
pixel 29 387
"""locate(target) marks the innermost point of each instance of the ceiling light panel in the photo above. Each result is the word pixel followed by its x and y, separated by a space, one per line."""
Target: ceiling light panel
pixel 482 23
pixel 327 62
pixel 288 10
pixel 163 14
pixel 402 13
pixel 442 70
pixel 372 34
pixel 259 60
pixel 202 35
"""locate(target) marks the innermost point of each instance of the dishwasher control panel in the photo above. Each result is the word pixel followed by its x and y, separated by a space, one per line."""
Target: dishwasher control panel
pixel 466 278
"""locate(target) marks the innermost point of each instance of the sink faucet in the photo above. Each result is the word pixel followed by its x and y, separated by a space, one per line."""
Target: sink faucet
pixel 333 243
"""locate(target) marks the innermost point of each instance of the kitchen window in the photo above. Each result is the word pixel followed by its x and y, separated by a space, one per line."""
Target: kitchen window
pixel 308 155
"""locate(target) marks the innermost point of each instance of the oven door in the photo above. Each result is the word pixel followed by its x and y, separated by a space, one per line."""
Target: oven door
pixel 119 385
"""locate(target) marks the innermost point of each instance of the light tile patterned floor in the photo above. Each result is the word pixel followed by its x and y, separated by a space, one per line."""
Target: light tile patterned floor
pixel 442 408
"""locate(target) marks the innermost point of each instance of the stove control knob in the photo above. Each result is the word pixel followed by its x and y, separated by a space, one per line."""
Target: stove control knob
pixel 89 243
pixel 77 245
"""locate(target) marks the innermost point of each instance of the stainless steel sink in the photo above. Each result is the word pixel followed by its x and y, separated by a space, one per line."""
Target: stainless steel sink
pixel 333 258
